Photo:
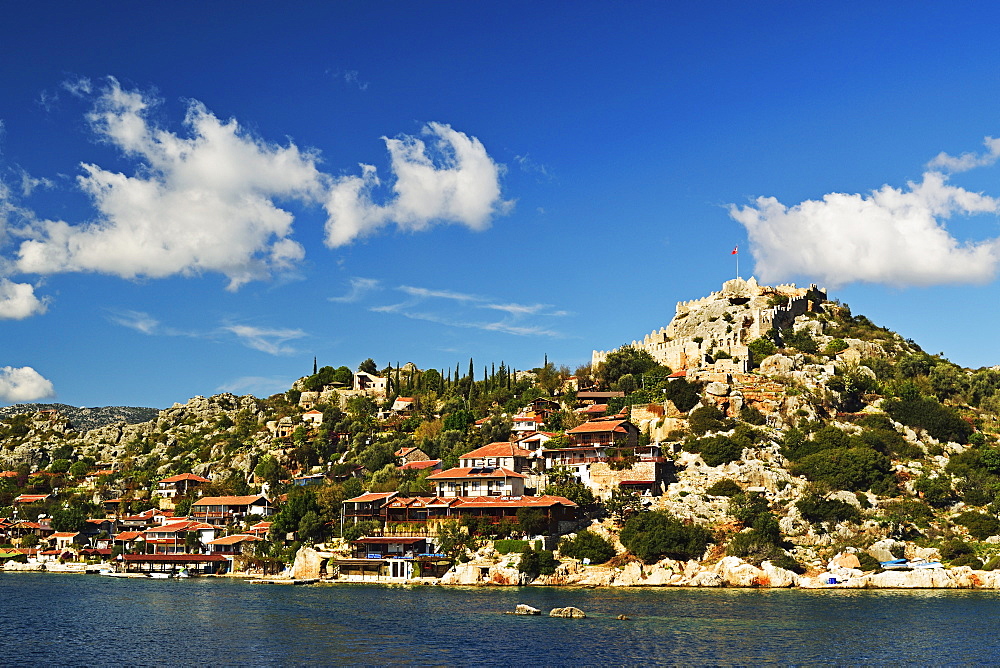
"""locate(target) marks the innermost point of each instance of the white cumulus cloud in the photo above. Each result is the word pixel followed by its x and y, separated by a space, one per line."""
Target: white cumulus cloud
pixel 18 300
pixel 895 236
pixel 967 161
pixel 203 202
pixel 209 198
pixel 453 180
pixel 23 384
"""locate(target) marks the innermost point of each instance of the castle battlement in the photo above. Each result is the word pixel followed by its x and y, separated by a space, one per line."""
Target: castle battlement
pixel 726 320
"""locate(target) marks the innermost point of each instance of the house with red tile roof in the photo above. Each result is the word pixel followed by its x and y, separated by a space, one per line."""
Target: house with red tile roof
pixel 172 538
pixel 178 485
pixel 492 470
pixel 476 481
pixel 606 432
pixel 233 545
pixel 128 540
pixel 526 423
pixel 62 540
pixel 367 506
pixel 24 499
pixel 221 510
pixel 404 405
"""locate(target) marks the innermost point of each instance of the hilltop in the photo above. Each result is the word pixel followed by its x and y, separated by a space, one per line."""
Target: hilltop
pixel 766 425
pixel 82 418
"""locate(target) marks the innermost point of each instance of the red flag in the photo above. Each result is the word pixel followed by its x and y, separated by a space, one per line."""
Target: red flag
pixel 735 251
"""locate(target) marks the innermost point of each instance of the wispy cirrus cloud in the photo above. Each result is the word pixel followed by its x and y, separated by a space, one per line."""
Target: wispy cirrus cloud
pixel 140 321
pixel 270 341
pixel 360 287
pixel 267 340
pixel 421 306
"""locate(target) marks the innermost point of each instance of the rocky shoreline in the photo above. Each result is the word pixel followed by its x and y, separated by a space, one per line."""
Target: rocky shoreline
pixel 730 572
pixel 491 569
pixel 727 572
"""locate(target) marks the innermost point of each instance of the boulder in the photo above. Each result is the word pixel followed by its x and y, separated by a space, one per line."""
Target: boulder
pixel 707 579
pixel 568 612
pixel 307 564
pixel 886 550
pixel 845 560
pixel 717 389
pixel 776 364
pixel 737 573
pixel 524 609
pixel 778 577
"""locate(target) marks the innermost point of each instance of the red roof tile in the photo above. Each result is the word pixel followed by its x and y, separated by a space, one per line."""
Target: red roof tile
pixel 233 539
pixel 419 466
pixel 371 496
pixel 599 426
pixel 502 449
pixel 467 472
pixel 230 500
pixel 185 476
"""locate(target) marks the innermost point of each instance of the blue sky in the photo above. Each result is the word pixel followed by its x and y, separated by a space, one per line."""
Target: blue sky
pixel 199 197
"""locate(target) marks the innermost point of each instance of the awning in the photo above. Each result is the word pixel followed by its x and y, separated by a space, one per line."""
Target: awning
pixel 408 540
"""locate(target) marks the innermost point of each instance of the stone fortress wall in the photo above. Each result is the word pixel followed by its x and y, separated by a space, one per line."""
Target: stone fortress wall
pixel 727 320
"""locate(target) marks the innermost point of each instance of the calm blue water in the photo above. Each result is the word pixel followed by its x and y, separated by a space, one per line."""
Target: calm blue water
pixel 90 620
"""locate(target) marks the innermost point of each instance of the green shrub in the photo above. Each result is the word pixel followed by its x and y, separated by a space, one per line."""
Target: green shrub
pixel 587 545
pixel 655 535
pixel 992 564
pixel 719 450
pixel 706 419
pixel 854 469
pixel 788 562
pixel 980 525
pixel 801 341
pixel 907 510
pixel 868 562
pixel 685 395
pixel 724 487
pixel 508 545
pixel 941 422
pixel 969 560
pixel 819 511
pixel 759 349
pixel 955 548
pixel 751 415
pixel 835 346
pixel 936 491
pixel 537 562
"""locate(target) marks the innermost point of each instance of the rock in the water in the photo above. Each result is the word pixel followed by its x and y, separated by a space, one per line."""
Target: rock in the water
pixel 307 564
pixel 568 612
pixel 623 617
pixel 523 609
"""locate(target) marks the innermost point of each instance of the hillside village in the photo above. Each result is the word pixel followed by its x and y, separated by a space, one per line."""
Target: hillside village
pixel 765 436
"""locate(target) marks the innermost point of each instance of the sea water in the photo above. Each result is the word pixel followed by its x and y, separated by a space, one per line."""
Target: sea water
pixel 51 619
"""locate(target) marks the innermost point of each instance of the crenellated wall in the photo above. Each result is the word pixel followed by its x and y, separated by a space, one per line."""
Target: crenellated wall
pixel 727 320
